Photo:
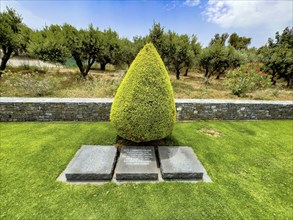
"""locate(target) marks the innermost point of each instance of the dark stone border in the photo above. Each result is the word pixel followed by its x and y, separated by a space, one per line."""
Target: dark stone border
pixel 98 109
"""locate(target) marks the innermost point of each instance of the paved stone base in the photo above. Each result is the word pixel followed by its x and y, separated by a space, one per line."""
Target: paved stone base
pixel 135 165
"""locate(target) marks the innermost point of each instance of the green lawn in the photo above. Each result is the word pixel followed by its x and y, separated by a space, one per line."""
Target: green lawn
pixel 250 164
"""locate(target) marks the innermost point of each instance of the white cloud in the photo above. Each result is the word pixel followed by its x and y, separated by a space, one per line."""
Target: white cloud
pixel 179 3
pixel 191 3
pixel 31 20
pixel 250 14
pixel 171 5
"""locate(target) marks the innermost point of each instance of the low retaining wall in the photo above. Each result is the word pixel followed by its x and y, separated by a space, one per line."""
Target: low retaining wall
pixel 98 109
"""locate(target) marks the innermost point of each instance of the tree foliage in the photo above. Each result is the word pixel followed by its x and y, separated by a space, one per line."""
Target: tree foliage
pixel 138 43
pixel 49 45
pixel 216 59
pixel 219 39
pixel 83 45
pixel 14 35
pixel 196 49
pixel 158 37
pixel 127 51
pixel 180 53
pixel 177 51
pixel 109 48
pixel 58 43
pixel 86 46
pixel 277 56
pixel 239 43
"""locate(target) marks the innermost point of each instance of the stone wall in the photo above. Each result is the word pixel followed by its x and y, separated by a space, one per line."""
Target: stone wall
pixel 195 109
pixel 97 109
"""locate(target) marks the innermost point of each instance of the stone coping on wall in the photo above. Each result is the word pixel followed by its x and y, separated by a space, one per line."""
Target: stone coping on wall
pixel 232 101
pixel 98 109
pixel 110 100
pixel 54 100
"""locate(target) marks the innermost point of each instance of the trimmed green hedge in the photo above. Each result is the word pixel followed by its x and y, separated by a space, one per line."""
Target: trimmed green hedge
pixel 144 107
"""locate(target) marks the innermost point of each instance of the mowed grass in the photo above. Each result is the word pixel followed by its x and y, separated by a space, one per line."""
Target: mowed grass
pixel 250 163
pixel 66 82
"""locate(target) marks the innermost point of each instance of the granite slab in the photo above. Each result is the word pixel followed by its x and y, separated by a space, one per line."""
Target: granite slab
pixel 92 162
pixel 179 163
pixel 137 163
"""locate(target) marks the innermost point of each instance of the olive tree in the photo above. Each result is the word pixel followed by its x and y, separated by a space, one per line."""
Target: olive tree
pixel 84 45
pixel 59 43
pixel 109 48
pixel 277 56
pixel 14 35
pixel 196 48
pixel 216 59
pixel 127 51
pixel 49 45
pixel 180 51
pixel 158 37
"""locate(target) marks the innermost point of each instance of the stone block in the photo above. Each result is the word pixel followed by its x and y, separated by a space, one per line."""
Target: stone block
pixel 179 163
pixel 137 163
pixel 92 162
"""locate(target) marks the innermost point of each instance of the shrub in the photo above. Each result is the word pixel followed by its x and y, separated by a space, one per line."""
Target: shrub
pixel 144 107
pixel 247 78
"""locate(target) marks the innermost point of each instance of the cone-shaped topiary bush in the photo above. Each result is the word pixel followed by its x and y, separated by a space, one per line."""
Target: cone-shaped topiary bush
pixel 144 107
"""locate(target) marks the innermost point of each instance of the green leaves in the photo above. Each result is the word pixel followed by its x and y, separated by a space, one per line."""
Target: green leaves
pixel 86 46
pixel 49 45
pixel 10 27
pixel 239 43
pixel 177 51
pixel 110 48
pixel 278 56
pixel 144 107
pixel 14 35
pixel 247 78
pixel 217 58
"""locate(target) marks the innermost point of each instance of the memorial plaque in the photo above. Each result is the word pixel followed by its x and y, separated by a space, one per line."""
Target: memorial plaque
pixel 180 163
pixel 137 163
pixel 92 163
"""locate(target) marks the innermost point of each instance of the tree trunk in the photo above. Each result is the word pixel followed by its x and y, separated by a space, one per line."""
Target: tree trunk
pixel 206 79
pixel 206 76
pixel 290 82
pixel 80 66
pixel 128 64
pixel 177 74
pixel 103 66
pixel 186 72
pixel 273 78
pixel 90 62
pixel 218 76
pixel 5 59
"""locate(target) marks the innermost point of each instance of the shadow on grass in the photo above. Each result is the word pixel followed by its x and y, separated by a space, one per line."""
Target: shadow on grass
pixel 168 141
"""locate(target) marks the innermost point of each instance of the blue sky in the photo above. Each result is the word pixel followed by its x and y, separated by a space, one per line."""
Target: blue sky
pixel 253 18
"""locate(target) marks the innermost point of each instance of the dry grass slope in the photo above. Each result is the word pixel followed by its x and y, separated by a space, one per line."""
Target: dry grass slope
pixel 102 84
